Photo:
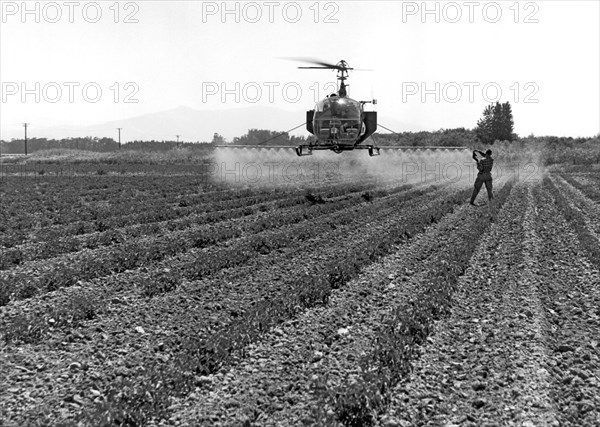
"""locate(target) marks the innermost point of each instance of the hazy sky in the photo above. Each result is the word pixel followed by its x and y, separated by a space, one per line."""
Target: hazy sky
pixel 435 64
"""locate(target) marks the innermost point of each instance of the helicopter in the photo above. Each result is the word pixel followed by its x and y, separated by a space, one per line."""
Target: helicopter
pixel 338 122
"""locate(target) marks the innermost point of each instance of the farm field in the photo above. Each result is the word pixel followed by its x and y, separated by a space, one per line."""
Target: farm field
pixel 160 295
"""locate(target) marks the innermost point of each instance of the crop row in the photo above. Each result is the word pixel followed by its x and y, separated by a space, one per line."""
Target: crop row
pixel 302 226
pixel 267 271
pixel 32 328
pixel 187 217
pixel 315 222
pixel 22 191
pixel 576 219
pixel 93 188
pixel 79 192
pixel 65 271
pixel 90 169
pixel 286 299
pixel 571 299
pixel 90 235
pixel 299 293
pixel 149 211
pixel 590 190
pixel 356 403
pixel 328 239
pixel 71 216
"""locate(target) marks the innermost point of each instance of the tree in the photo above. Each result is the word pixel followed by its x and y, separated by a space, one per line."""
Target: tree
pixel 263 136
pixel 217 139
pixel 506 127
pixel 484 129
pixel 497 124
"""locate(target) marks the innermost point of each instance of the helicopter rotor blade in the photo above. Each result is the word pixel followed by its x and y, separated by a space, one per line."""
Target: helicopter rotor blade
pixel 321 64
pixel 313 61
pixel 336 68
pixel 327 68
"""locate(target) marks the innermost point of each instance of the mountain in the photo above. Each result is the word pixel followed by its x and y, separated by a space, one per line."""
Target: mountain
pixel 200 125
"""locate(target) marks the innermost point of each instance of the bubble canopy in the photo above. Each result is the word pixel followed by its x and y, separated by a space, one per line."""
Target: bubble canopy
pixel 338 118
pixel 340 107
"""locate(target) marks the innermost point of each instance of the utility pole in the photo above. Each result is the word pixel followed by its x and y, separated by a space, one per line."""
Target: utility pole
pixel 25 126
pixel 119 129
pixel 177 140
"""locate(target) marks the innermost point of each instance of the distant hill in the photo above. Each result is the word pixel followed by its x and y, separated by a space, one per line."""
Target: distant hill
pixel 199 125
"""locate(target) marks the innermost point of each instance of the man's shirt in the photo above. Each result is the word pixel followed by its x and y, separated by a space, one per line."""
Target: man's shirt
pixel 485 165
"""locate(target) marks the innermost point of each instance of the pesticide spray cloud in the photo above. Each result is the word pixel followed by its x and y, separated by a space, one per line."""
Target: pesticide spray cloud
pixel 277 167
pixel 270 167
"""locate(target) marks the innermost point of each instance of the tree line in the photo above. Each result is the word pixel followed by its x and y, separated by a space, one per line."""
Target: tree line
pixel 89 143
pixel 497 124
pixel 261 137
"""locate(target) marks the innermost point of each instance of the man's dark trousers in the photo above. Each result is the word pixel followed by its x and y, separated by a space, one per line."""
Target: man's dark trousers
pixel 483 178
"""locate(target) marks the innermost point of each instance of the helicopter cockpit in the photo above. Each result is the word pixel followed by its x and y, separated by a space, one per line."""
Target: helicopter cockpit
pixel 337 118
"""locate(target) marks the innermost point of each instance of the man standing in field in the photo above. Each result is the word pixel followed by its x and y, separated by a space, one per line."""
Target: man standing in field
pixel 484 166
